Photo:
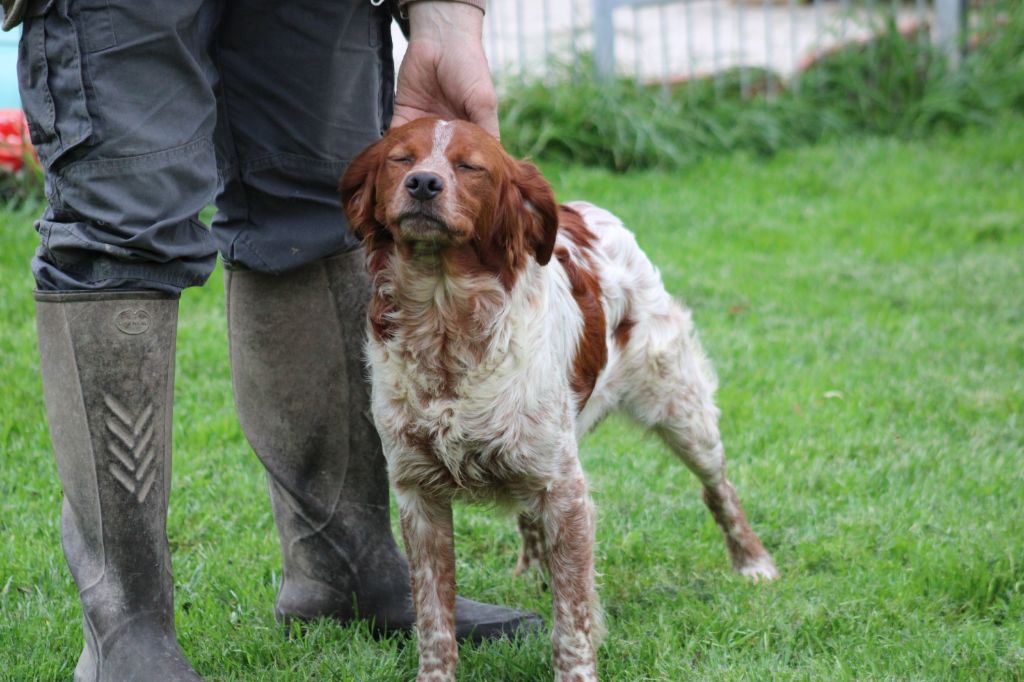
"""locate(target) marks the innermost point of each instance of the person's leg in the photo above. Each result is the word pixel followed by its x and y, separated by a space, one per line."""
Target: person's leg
pixel 120 107
pixel 304 90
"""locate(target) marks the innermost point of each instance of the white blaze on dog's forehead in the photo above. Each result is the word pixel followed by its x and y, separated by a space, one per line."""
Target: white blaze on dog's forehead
pixel 443 133
pixel 436 161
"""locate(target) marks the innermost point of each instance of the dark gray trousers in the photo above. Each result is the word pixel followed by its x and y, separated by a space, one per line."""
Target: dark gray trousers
pixel 145 111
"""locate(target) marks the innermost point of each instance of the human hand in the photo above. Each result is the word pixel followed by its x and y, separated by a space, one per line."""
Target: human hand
pixel 444 72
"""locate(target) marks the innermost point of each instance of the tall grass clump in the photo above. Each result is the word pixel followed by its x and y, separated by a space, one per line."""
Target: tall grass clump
pixel 894 84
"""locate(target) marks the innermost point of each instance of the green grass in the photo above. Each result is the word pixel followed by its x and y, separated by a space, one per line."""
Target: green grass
pixel 864 306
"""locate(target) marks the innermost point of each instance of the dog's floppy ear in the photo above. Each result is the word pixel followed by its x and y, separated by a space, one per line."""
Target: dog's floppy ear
pixel 358 189
pixel 529 208
pixel 540 202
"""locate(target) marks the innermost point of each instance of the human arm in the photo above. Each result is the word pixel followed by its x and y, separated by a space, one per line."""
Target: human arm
pixel 445 71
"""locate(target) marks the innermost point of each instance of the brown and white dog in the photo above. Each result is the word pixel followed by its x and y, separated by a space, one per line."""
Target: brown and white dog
pixel 502 327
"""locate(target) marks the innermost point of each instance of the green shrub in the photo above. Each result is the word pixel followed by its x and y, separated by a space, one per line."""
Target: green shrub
pixel 894 84
pixel 24 187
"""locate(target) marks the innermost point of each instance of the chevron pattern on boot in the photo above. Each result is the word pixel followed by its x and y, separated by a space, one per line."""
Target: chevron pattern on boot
pixel 132 447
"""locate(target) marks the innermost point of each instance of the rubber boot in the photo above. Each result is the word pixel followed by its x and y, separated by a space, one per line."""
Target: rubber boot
pixel 107 362
pixel 302 395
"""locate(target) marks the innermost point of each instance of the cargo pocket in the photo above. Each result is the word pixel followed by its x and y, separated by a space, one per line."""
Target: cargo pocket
pixel 50 81
pixel 97 28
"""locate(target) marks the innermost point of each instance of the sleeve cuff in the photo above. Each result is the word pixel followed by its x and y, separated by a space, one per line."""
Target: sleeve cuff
pixel 403 5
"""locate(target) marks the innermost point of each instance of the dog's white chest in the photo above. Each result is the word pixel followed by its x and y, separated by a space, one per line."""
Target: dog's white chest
pixel 488 431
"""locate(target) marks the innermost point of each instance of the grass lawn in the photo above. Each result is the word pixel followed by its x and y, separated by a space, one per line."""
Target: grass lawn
pixel 864 305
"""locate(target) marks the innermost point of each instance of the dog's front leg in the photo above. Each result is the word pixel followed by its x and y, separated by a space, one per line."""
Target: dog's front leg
pixel 569 522
pixel 429 541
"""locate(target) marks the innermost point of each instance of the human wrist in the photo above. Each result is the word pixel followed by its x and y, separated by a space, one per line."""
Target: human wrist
pixel 441 20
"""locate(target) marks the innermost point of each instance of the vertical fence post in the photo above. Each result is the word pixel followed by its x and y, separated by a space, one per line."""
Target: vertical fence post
pixel 951 28
pixel 604 38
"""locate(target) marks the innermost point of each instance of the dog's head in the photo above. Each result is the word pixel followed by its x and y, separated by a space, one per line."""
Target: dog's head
pixel 437 186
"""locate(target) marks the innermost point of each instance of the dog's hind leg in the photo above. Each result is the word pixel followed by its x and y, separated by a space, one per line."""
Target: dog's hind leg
pixel 533 551
pixel 675 397
pixel 693 436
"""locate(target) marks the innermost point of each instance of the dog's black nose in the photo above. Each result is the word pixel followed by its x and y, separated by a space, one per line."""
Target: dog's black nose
pixel 424 186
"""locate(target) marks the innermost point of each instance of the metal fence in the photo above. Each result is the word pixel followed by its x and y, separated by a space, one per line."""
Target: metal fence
pixel 668 41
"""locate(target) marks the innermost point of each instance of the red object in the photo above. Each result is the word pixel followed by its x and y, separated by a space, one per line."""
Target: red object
pixel 14 142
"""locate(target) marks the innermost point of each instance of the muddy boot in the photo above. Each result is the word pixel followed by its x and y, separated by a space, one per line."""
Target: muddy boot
pixel 107 362
pixel 303 401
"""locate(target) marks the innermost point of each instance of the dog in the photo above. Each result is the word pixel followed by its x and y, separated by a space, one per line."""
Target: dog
pixel 502 327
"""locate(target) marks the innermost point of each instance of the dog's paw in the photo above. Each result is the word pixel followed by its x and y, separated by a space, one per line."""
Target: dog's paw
pixel 761 569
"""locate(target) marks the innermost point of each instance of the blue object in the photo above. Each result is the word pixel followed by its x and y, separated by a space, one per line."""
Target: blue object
pixel 9 98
